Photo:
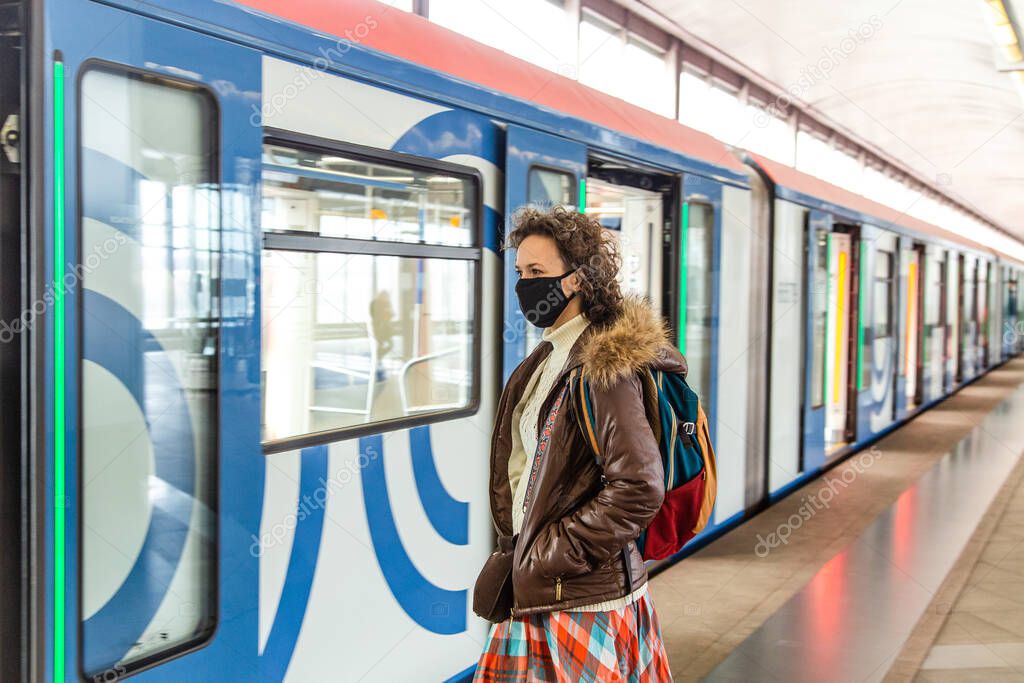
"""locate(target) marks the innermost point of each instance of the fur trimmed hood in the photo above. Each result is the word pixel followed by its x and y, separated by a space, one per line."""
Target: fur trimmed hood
pixel 638 337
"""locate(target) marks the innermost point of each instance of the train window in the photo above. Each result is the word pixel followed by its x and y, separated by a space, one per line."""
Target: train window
pixel 699 282
pixel 883 290
pixel 341 195
pixel 547 187
pixel 864 291
pixel 818 299
pixel 149 231
pixel 366 334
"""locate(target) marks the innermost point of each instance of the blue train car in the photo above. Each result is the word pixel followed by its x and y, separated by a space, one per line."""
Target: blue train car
pixel 891 314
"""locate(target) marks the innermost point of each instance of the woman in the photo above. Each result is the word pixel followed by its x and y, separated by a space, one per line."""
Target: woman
pixel 580 607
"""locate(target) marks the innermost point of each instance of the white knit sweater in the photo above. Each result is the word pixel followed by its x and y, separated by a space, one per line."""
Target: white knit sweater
pixel 525 416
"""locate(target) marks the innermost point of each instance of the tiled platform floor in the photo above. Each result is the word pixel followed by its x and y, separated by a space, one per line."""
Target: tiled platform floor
pixel 982 637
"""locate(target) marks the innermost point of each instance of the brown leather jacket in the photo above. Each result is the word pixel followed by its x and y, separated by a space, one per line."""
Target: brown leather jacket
pixel 570 549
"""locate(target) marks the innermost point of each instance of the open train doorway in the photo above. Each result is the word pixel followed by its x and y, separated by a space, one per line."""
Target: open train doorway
pixel 840 336
pixel 913 299
pixel 638 205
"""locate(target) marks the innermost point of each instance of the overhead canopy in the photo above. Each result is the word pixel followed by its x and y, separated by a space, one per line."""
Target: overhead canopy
pixel 921 81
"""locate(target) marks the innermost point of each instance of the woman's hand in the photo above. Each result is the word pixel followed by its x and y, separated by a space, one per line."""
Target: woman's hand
pixel 619 512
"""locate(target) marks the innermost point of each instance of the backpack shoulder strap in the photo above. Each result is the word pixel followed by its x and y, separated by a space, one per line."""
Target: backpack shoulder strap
pixel 710 470
pixel 579 392
pixel 582 408
pixel 650 383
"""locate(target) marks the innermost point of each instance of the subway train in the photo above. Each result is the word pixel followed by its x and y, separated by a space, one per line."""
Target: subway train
pixel 257 315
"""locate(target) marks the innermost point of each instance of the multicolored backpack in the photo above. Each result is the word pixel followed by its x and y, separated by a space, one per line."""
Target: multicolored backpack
pixel 681 429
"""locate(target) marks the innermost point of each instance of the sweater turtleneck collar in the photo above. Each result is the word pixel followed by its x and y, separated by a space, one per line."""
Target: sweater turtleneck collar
pixel 566 334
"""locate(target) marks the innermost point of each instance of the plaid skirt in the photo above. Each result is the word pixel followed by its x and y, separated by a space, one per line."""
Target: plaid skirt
pixel 622 645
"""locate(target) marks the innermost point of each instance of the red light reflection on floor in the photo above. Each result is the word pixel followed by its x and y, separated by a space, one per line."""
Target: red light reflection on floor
pixel 904 521
pixel 828 590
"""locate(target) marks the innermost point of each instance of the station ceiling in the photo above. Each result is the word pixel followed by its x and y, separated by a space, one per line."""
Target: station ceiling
pixel 925 80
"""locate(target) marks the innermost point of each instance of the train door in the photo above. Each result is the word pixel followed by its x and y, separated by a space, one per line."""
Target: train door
pixel 1010 333
pixel 839 335
pixel 1005 322
pixel 155 391
pixel 968 318
pixel 984 290
pixel 1018 330
pixel 14 481
pixel 540 170
pixel 698 288
pixel 876 375
pixel 997 312
pixel 1015 334
pixel 942 332
pixel 788 400
pixel 720 298
pixel 833 335
pixel 932 328
pixel 817 278
pixel 952 291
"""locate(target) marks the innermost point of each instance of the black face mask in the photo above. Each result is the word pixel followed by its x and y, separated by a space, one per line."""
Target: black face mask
pixel 541 299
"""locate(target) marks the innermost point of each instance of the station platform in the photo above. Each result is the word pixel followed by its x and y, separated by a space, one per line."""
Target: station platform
pixel 903 563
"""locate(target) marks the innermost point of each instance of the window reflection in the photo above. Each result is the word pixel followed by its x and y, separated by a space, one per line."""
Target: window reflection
pixel 350 339
pixel 150 245
pixel 353 334
pixel 337 196
pixel 883 291
pixel 547 188
pixel 699 284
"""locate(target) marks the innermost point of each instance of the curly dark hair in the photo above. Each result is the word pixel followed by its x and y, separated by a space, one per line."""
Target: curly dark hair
pixel 584 244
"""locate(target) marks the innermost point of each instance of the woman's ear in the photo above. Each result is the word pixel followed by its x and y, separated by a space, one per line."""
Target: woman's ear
pixel 572 282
